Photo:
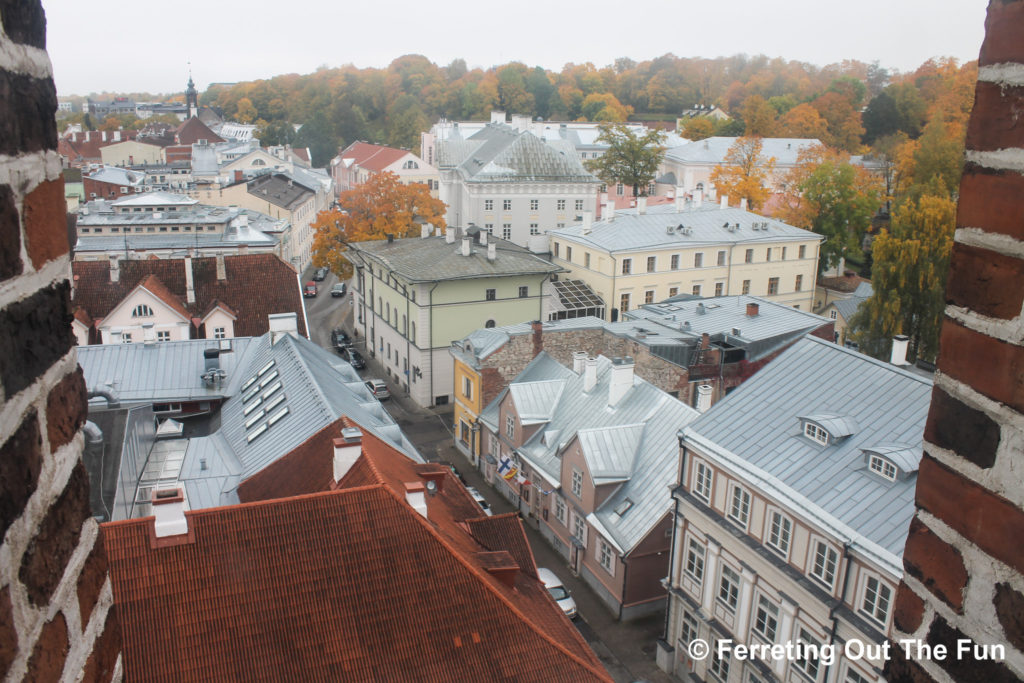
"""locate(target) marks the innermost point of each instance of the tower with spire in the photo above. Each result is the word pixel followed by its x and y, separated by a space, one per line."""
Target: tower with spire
pixel 191 97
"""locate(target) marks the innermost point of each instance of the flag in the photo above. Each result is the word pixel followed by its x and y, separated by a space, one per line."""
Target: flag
pixel 506 469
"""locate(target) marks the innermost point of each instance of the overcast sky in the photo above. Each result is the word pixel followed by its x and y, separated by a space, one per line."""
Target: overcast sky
pixel 106 45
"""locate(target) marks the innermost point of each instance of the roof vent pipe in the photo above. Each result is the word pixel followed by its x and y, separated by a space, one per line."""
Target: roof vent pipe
pixel 899 350
pixel 724 202
pixel 169 510
pixel 492 251
pixel 703 398
pixel 466 246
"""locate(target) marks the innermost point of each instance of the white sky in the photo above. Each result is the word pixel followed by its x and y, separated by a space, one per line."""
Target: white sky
pixel 117 46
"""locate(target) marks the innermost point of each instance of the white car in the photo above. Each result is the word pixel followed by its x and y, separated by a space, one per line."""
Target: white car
pixel 481 501
pixel 558 591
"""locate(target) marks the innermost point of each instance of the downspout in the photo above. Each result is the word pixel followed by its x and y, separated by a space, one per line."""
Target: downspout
pixel 842 600
pixel 672 550
pixel 430 344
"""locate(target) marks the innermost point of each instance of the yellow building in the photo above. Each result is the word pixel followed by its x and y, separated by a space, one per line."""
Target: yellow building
pixel 467 408
pixel 641 255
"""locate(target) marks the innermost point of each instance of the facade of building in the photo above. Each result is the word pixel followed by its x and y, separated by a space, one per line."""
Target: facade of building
pixel 412 297
pixel 841 312
pixel 110 182
pixel 643 255
pixel 794 502
pixel 360 160
pixel 131 153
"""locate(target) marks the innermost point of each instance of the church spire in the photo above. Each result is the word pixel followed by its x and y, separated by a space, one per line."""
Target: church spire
pixel 191 95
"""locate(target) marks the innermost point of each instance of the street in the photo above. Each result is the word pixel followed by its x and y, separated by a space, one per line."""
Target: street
pixel 626 649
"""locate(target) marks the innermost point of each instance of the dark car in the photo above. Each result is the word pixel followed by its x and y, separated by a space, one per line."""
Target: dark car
pixel 339 289
pixel 340 339
pixel 352 356
pixel 309 290
pixel 320 273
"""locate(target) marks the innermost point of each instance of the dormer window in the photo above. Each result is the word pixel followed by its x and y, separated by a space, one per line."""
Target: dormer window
pixel 827 428
pixel 142 311
pixel 893 462
pixel 882 467
pixel 815 432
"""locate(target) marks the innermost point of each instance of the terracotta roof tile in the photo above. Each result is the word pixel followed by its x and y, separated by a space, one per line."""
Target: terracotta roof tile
pixel 372 157
pixel 194 130
pixel 152 284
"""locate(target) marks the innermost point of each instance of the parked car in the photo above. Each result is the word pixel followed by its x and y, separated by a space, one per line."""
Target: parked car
pixel 339 289
pixel 480 500
pixel 378 388
pixel 320 273
pixel 558 591
pixel 340 338
pixel 309 290
pixel 352 356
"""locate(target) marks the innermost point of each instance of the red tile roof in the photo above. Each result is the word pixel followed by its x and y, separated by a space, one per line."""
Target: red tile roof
pixel 194 130
pixel 372 157
pixel 152 284
pixel 255 286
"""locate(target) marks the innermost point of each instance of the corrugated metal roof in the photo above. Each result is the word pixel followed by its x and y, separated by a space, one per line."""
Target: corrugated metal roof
pixel 714 149
pixel 535 401
pixel 610 451
pixel 500 153
pixel 758 426
pixel 848 307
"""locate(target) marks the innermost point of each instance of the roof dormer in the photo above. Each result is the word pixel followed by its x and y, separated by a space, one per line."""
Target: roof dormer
pixel 827 428
pixel 894 462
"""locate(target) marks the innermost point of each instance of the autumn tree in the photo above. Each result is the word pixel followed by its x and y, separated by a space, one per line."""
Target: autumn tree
pixel 911 262
pixel 758 117
pixel 246 112
pixel 631 158
pixel 698 128
pixel 802 121
pixel 744 173
pixel 379 207
pixel 604 107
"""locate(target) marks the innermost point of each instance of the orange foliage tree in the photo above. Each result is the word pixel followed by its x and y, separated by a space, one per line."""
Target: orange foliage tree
pixel 379 207
pixel 744 173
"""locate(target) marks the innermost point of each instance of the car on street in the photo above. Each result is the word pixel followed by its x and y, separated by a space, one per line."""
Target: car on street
pixel 558 591
pixel 352 356
pixel 339 289
pixel 480 500
pixel 310 290
pixel 340 338
pixel 320 273
pixel 378 388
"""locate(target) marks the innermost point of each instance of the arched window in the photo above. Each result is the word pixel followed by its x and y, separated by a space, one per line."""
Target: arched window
pixel 412 332
pixel 142 311
pixel 258 162
pixel 489 323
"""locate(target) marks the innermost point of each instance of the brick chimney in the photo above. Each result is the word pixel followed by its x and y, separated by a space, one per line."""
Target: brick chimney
pixel 621 379
pixel 347 449
pixel 753 309
pixel 169 511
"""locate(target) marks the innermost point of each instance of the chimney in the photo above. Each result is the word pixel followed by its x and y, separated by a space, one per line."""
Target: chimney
pixel 416 496
pixel 449 235
pixel 621 380
pixel 466 246
pixel 282 324
pixel 537 328
pixel 221 271
pixel 346 451
pixel 752 309
pixel 743 203
pixel 190 286
pixel 609 211
pixel 211 360
pixel 680 200
pixel 425 231
pixel 238 176
pixel 700 309
pixel 169 510
pixel 724 202
pixel 115 269
pixel 705 341
pixel 698 199
pixel 148 334
pixel 87 133
pixel 497 116
pixel 579 359
pixel 703 397
pixel 641 206
pixel 390 237
pixel 501 565
pixel 483 237
pixel 103 136
pixel 588 222
pixel 899 350
pixel 492 251
pixel 589 374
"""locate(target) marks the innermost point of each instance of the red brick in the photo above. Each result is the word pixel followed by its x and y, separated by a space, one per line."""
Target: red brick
pixel 1009 605
pixel 986 282
pixel 90 581
pixel 21 459
pixel 994 121
pixel 908 610
pixel 991 200
pixel 47 661
pixel 8 634
pixel 977 514
pixel 45 217
pixel 990 366
pixel 936 564
pixel 1002 33
pixel 957 427
pixel 10 235
pixel 970 667
pixel 899 669
pixel 100 665
pixel 66 408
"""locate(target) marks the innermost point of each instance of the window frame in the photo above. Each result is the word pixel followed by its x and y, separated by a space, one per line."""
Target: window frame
pixel 810 667
pixel 652 264
pixel 696 488
pixel 560 509
pixel 816 433
pixel 872 611
pixel 884 466
pixel 490 294
pixel 627 266
pixel 506 204
pixel 745 289
pixel 764 604
pixel 784 522
pixel 812 562
pixel 606 556
pixel 694 564
pixel 745 498
pixel 510 427
pixel 698 259
pixel 773 286
pixel 729 588
pixel 576 483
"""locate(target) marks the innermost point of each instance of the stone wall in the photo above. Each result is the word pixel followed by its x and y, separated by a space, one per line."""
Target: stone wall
pixel 964 556
pixel 55 598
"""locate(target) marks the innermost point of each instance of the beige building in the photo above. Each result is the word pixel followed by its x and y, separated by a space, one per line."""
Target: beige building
pixel 132 153
pixel 639 256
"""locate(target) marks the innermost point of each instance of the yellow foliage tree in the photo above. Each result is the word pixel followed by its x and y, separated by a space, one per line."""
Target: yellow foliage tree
pixel 744 173
pixel 802 121
pixel 698 128
pixel 379 207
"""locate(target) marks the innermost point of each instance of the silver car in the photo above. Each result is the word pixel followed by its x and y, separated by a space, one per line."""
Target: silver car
pixel 558 591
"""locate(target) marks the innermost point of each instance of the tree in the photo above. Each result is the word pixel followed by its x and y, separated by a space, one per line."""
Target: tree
pixel 246 112
pixel 631 158
pixel 604 107
pixel 758 117
pixel 744 172
pixel 911 262
pixel 802 121
pixel 379 207
pixel 698 128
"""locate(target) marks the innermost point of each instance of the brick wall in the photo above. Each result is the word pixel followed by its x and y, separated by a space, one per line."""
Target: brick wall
pixel 964 557
pixel 55 598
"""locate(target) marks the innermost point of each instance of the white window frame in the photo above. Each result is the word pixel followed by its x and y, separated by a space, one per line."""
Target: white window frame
pixel 695 569
pixel 852 675
pixel 882 467
pixel 579 528
pixel 785 532
pixel 741 515
pixel 729 583
pixel 577 482
pixel 817 544
pixel 142 311
pixel 163 335
pixel 488 205
pixel 698 259
pixel 871 609
pixel 810 667
pixel 703 488
pixel 560 507
pixel 506 204
pixel 467 387
pixel 718 667
pixel 770 621
pixel 674 262
pixel 510 426
pixel 220 333
pixel 606 557
pixel 816 433
pixel 534 204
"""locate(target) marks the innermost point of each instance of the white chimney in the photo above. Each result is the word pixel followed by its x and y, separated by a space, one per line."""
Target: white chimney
pixel 492 251
pixel 282 324
pixel 115 269
pixel 190 286
pixel 449 235
pixel 680 200
pixel 743 203
pixel 621 380
pixel 148 334
pixel 641 206
pixel 698 199
pixel 346 451
pixel 117 136
pixel 466 242
pixel 483 237
pixel 169 510
pixel 579 360
pixel 588 221
pixel 221 270
pixel 497 117
pixel 103 136
pixel 724 201
pixel 416 496
pixel 899 350
pixel 589 374
pixel 609 211
pixel 425 231
pixel 703 397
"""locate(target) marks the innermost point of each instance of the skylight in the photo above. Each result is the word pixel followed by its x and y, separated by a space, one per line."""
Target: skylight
pixel 623 507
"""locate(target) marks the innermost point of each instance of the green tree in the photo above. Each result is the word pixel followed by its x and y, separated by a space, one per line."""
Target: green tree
pixel 698 128
pixel 631 158
pixel 911 262
pixel 318 135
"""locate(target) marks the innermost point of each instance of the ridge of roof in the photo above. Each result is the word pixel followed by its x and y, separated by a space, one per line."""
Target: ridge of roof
pixel 152 284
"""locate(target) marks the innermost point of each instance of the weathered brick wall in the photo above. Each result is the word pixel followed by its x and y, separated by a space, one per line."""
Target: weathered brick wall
pixel 964 558
pixel 55 599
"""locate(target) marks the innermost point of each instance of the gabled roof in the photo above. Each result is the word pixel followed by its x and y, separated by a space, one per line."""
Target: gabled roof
pixel 372 157
pixel 279 190
pixel 152 284
pixel 714 149
pixel 536 401
pixel 194 130
pixel 116 176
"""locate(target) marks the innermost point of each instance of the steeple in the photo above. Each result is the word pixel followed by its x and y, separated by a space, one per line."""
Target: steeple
pixel 191 96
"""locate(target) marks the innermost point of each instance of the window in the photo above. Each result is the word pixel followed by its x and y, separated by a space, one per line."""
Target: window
pixel 825 560
pixel 719 288
pixel 672 291
pixel 489 227
pixel 729 588
pixel 698 260
pixel 605 557
pixel 560 205
pixel 624 303
pixel 489 324
pixel 833 314
pixel 815 432
pixel 799 283
pixel 619 189
pixel 702 479
pixel 689 630
pixel 412 331
pixel 560 509
pixel 126 337
pixel 809 661
pixel 649 296
pixel 780 531
pixel 739 508
pixel 695 560
pixel 488 205
pixel 766 618
pixel 579 528
pixel 568 254
pixel 883 467
pixel 773 285
pixel 534 204
pixel 142 311
pixel 506 231
pixel 577 482
pixel 557 245
pixel 749 257
pixel 719 667
pixel 768 254
pixel 579 204
pixel 467 387
pixel 163 336
pixel 721 258
pixel 506 204
pixel 674 263
pixel 854 676
pixel 696 290
pixel 802 252
pixel 510 427
pixel 534 229
pixel 524 292
pixel 651 262
pixel 627 266
pixel 877 598
pixel 586 259
pixel 490 294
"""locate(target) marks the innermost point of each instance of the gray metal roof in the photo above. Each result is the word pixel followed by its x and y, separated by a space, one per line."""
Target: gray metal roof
pixel 432 259
pixel 757 430
pixel 847 307
pixel 634 442
pixel 536 401
pixel 628 231
pixel 713 150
